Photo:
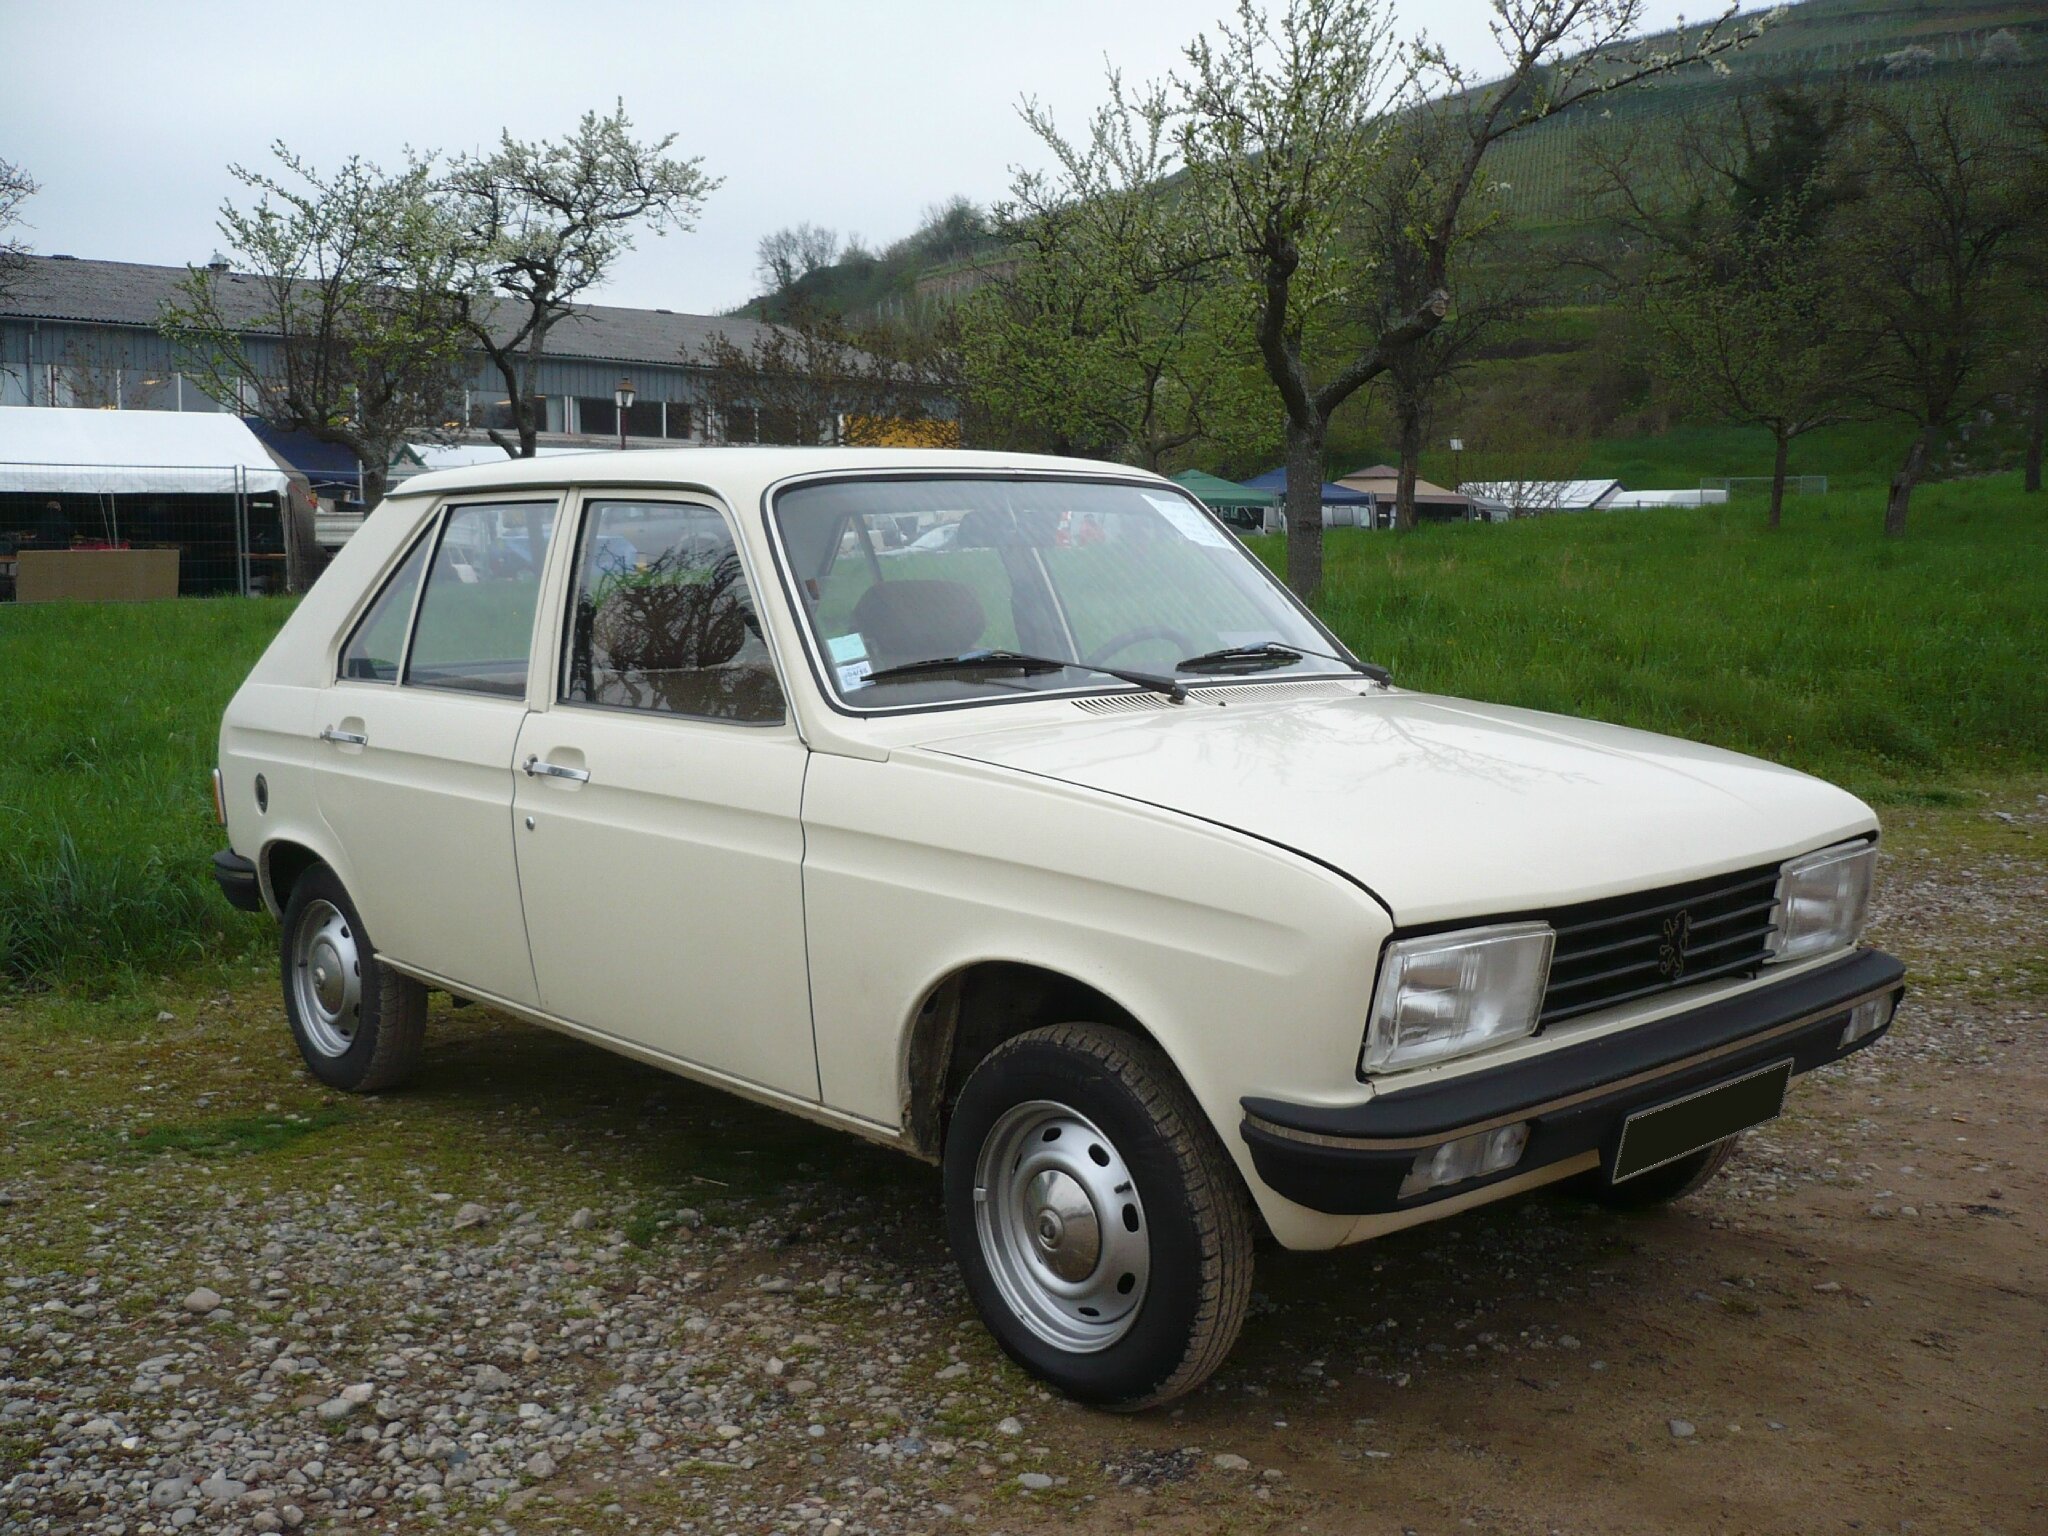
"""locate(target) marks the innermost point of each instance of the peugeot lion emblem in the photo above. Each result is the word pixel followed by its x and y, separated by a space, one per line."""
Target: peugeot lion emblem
pixel 1671 953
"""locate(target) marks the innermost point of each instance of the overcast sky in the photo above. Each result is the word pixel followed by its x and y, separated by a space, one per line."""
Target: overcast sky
pixel 855 116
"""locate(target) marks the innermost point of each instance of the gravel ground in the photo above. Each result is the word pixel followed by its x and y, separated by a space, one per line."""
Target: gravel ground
pixel 547 1289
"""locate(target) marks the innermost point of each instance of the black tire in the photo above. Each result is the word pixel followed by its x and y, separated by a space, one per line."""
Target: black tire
pixel 1196 1225
pixel 1661 1186
pixel 366 1048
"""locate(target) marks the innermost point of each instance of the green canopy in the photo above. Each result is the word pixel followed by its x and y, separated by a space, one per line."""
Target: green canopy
pixel 1214 491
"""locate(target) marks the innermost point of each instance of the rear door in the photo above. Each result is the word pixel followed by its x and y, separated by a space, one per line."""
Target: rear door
pixel 418 735
pixel 658 805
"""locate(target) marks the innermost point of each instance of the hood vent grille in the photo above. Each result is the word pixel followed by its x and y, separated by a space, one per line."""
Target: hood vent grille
pixel 1120 703
pixel 1224 693
pixel 1312 688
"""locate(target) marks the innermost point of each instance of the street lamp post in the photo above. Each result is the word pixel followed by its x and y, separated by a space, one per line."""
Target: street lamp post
pixel 622 397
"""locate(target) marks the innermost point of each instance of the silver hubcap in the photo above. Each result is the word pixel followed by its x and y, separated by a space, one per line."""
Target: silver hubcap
pixel 327 978
pixel 1062 1228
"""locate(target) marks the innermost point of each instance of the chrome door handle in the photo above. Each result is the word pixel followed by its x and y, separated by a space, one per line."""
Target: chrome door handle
pixel 345 738
pixel 536 769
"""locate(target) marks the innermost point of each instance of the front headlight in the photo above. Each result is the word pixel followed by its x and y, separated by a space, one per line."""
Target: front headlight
pixel 1823 899
pixel 1452 993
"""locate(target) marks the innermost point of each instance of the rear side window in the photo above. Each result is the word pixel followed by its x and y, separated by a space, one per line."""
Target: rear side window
pixel 374 651
pixel 475 625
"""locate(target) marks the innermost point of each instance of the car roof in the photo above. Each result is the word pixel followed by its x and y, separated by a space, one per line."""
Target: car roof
pixel 738 473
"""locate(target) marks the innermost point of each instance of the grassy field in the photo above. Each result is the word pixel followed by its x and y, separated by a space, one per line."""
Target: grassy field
pixel 106 815
pixel 1909 670
pixel 1900 667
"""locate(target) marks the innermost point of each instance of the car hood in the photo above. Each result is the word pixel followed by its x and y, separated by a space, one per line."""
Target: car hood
pixel 1442 808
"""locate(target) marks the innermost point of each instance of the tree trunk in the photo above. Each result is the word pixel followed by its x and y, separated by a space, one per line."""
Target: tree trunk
pixel 376 478
pixel 2037 429
pixel 1901 497
pixel 526 406
pixel 1778 476
pixel 1410 447
pixel 1305 508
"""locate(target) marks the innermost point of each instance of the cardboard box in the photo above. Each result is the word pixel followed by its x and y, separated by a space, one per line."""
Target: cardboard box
pixel 95 575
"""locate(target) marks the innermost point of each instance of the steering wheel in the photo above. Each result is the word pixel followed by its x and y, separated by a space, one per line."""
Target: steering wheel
pixel 1130 637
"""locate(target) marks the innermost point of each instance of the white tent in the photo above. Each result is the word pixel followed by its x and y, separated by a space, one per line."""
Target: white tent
pixel 1499 499
pixel 1667 499
pixel 111 453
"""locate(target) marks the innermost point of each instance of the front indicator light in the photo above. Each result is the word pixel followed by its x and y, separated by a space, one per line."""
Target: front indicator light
pixel 1469 1157
pixel 1867 1018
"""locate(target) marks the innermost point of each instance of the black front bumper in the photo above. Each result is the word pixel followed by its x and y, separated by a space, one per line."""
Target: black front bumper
pixel 236 877
pixel 1350 1160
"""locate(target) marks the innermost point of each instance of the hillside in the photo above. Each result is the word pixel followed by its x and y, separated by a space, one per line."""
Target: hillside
pixel 1889 44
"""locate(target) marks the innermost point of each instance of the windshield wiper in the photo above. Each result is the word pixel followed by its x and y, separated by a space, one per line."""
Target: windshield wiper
pixel 1018 661
pixel 1272 653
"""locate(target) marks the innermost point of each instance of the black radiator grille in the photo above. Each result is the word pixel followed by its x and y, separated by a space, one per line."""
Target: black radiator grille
pixel 1634 946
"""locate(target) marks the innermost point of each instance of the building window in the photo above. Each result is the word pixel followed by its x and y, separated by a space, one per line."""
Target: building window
pixel 742 424
pixel 597 416
pixel 490 408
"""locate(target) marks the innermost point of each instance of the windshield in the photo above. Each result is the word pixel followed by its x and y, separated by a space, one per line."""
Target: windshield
pixel 1082 573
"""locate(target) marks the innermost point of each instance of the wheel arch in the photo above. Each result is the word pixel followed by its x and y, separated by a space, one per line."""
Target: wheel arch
pixel 973 1009
pixel 280 864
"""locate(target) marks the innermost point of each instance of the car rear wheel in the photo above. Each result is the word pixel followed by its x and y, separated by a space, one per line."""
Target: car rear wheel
pixel 359 1024
pixel 1102 1231
pixel 1661 1186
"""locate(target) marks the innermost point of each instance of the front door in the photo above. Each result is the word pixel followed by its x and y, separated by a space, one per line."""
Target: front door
pixel 418 733
pixel 657 806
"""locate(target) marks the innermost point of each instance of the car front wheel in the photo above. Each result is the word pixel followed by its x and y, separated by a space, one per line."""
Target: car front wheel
pixel 359 1024
pixel 1102 1231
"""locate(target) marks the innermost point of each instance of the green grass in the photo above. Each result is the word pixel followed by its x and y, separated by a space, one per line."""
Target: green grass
pixel 1910 669
pixel 106 813
pixel 1896 666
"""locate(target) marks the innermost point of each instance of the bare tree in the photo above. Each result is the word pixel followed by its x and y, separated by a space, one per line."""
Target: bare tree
pixel 545 221
pixel 1729 266
pixel 1934 254
pixel 2033 316
pixel 16 188
pixel 345 320
pixel 1490 289
pixel 788 256
pixel 809 380
pixel 1286 119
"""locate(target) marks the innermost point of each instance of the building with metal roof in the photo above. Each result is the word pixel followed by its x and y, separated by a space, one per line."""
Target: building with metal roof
pixel 75 332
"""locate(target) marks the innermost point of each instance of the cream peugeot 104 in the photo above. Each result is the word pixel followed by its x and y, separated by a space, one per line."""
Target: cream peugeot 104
pixel 1005 810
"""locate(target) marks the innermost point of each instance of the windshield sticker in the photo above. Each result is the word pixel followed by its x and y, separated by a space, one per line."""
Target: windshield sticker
pixel 1188 522
pixel 854 675
pixel 847 648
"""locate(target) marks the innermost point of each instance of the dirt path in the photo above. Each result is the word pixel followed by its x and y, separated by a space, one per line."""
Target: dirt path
pixel 567 1293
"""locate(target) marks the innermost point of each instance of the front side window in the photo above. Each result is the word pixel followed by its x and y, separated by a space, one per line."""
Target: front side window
pixel 374 651
pixel 475 625
pixel 1070 574
pixel 662 618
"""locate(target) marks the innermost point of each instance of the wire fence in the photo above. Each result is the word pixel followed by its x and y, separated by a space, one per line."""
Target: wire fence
pixel 1741 485
pixel 229 525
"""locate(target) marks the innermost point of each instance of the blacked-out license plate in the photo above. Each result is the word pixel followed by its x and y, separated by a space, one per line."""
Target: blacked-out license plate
pixel 1650 1138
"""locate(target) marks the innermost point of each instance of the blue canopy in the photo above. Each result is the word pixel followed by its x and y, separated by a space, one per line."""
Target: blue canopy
pixel 328 467
pixel 1275 480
